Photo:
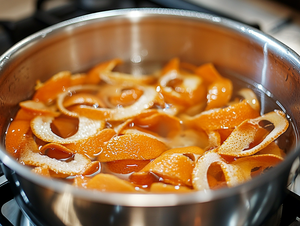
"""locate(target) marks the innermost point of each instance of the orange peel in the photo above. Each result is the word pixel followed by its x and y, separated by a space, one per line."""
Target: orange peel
pixel 39 108
pixel 92 145
pixel 250 97
pixel 43 171
pixel 64 126
pixel 16 137
pixel 131 146
pixel 199 176
pixel 219 93
pixel 74 167
pixel 126 166
pixel 224 118
pixel 92 168
pixel 74 89
pixel 25 115
pixel 214 139
pixel 78 79
pixel 122 113
pixel 219 88
pixel 93 75
pixel 171 131
pixel 85 99
pixel 81 181
pixel 47 92
pixel 181 87
pixel 164 125
pixel 189 137
pixel 109 183
pixel 168 188
pixel 193 152
pixel 171 168
pixel 57 151
pixel 41 127
pixel 260 163
pixel 239 141
pixel 126 79
pixel 273 149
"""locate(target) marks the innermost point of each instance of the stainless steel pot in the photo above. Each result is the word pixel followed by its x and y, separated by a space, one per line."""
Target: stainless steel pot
pixel 147 38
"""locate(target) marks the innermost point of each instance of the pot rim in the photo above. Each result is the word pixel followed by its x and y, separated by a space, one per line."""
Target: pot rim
pixel 149 200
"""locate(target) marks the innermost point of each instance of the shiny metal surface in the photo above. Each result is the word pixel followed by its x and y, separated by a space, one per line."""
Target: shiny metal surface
pixel 147 38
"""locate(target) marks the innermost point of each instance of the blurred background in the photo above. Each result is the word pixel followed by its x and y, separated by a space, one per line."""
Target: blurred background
pixel 20 18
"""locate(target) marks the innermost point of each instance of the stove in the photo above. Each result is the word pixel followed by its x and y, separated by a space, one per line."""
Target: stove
pixel 280 20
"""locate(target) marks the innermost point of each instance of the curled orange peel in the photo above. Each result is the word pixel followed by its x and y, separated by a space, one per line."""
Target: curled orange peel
pixel 78 79
pixel 41 127
pixel 109 183
pixel 161 124
pixel 168 188
pixel 41 170
pixel 16 137
pixel 126 166
pixel 209 73
pixel 64 95
pixel 214 139
pixel 224 118
pixel 93 75
pixel 119 96
pixel 250 164
pixel 189 137
pixel 84 99
pixel 181 87
pixel 92 145
pixel 122 113
pixel 192 151
pixel 131 146
pixel 172 66
pixel 74 167
pixel 126 79
pixel 57 148
pixel 171 168
pixel 64 126
pixel 219 88
pixel 200 178
pixel 250 97
pixel 92 168
pixel 219 93
pixel 25 115
pixel 273 149
pixel 81 181
pixel 47 92
pixel 239 141
pixel 39 108
pixel 125 97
